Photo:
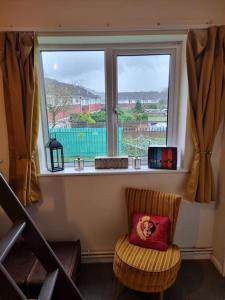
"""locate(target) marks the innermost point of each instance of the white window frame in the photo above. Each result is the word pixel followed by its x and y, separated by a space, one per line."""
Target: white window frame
pixel 111 51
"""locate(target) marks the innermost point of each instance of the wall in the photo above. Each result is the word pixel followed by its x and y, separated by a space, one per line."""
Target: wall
pixel 107 14
pixel 92 207
pixel 219 226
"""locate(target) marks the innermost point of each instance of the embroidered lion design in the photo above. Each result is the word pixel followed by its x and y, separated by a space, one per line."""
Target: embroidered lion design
pixel 145 227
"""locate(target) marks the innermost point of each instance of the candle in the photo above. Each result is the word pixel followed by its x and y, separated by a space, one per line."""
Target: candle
pixel 136 162
pixel 78 164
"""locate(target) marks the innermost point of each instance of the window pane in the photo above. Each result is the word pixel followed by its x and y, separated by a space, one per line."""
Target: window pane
pixel 143 84
pixel 75 101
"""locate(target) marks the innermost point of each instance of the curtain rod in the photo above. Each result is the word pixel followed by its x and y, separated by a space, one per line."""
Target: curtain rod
pixel 158 28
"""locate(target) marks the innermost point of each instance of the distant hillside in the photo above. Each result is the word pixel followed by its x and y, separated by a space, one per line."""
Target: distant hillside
pixel 57 88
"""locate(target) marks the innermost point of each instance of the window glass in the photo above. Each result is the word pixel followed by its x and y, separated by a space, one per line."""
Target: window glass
pixel 142 101
pixel 75 101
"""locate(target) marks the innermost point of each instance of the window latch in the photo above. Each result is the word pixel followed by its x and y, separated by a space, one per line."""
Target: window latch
pixel 116 111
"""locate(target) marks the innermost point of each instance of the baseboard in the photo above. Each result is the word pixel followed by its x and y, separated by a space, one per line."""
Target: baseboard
pixel 196 253
pixel 217 265
pixel 97 256
pixel 107 256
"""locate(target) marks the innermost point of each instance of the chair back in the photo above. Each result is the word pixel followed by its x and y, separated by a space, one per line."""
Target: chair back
pixel 154 203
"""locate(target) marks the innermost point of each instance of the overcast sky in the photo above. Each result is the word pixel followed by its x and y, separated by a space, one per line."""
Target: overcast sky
pixel 86 68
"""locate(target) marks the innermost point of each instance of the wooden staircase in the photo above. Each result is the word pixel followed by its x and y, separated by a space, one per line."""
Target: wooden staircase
pixel 57 285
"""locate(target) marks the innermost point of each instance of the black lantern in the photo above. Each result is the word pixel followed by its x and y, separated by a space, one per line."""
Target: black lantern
pixel 54 155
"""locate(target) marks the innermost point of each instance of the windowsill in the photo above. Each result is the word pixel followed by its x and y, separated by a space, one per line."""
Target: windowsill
pixel 70 171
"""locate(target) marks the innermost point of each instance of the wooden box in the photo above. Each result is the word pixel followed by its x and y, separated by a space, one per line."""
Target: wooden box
pixel 111 162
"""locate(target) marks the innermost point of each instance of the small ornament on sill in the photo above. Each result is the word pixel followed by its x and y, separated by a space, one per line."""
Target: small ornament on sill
pixel 78 164
pixel 136 162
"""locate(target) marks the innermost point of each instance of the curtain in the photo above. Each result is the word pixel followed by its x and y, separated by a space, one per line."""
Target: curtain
pixel 206 79
pixel 17 60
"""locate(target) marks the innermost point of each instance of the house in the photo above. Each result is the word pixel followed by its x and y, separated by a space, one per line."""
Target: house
pixel 91 207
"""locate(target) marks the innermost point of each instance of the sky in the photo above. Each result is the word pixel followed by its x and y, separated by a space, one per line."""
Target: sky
pixel 86 68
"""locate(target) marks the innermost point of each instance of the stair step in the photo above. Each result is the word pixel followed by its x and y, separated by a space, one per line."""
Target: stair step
pixel 8 284
pixel 48 286
pixel 10 238
pixel 65 288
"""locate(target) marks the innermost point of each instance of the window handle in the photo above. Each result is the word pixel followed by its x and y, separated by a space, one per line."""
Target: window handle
pixel 116 113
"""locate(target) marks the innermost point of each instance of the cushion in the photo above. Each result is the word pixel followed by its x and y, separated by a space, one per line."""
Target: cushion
pixel 150 231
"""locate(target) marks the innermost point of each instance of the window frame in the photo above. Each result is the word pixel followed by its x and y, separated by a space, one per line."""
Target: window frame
pixel 111 51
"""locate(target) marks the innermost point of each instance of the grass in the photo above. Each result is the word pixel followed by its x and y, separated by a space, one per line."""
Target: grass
pixel 158 118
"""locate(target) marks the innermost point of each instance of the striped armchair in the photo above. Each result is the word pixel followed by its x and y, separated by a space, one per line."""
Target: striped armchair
pixel 143 269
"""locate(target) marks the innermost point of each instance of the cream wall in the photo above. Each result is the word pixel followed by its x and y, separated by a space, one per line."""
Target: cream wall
pixel 219 225
pixel 106 14
pixel 92 207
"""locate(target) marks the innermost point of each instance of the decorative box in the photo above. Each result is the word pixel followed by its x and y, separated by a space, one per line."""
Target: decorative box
pixel 111 162
pixel 162 157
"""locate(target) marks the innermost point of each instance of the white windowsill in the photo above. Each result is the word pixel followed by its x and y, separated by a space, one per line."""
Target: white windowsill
pixel 70 171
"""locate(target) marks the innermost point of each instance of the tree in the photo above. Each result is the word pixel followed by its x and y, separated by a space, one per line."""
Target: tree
pixel 138 107
pixel 54 110
pixel 86 117
pixel 58 97
pixel 141 116
pixel 125 116
pixel 82 118
pixel 99 116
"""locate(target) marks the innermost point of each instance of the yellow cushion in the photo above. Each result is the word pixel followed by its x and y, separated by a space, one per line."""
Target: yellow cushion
pixel 148 260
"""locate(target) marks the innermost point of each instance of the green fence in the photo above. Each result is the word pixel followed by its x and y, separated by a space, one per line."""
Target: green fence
pixel 84 142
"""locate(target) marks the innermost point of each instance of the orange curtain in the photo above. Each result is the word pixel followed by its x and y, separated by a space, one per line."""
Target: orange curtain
pixel 206 78
pixel 17 60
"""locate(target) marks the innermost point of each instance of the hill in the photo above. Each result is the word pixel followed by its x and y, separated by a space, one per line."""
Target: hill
pixel 57 88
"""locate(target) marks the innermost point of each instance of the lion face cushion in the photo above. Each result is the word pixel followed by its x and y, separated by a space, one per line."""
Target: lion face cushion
pixel 150 231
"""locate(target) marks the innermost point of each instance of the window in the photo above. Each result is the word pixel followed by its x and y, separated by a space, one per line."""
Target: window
pixel 142 101
pixel 74 84
pixel 111 99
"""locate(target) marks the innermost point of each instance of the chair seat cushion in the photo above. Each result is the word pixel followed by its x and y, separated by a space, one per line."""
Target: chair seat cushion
pixel 143 269
pixel 148 260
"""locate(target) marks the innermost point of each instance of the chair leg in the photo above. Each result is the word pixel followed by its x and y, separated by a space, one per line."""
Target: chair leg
pixel 161 295
pixel 119 288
